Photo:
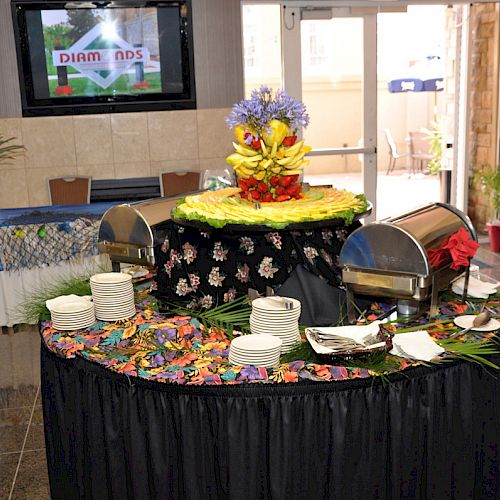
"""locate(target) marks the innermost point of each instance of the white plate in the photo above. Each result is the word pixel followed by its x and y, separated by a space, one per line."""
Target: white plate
pixel 114 307
pixel 114 311
pixel 256 342
pixel 267 354
pixel 466 322
pixel 64 299
pixel 72 307
pixel 251 361
pixel 111 288
pixel 81 326
pixel 273 321
pixel 276 314
pixel 112 319
pixel 274 303
pixel 73 320
pixel 115 314
pixel 270 364
pixel 106 278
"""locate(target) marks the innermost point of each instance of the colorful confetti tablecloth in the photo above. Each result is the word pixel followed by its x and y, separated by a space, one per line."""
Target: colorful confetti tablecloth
pixel 181 350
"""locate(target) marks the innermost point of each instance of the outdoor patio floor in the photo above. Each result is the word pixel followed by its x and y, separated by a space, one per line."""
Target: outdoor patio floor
pixel 396 193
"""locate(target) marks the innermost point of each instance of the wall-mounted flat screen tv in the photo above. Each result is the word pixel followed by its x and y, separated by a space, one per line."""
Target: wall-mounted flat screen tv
pixel 104 56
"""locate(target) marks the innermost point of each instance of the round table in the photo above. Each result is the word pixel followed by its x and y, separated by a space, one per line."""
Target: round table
pixel 423 433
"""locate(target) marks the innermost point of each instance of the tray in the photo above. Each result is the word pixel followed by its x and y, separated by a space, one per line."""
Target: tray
pixel 293 226
pixel 343 356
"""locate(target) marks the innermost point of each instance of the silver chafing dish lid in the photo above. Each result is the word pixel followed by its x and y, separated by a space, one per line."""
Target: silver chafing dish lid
pixel 400 243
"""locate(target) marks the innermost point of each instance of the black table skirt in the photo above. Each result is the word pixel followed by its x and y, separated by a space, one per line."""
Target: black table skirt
pixel 429 433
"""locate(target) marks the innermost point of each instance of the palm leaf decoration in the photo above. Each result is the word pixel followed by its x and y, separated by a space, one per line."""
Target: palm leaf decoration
pixel 228 317
pixel 9 151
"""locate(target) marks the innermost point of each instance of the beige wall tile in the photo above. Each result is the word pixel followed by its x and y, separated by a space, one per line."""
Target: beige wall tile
pixel 174 166
pixel 93 139
pixel 13 189
pixel 214 137
pixel 101 171
pixel 173 135
pixel 132 169
pixel 37 180
pixel 130 138
pixel 50 142
pixel 11 127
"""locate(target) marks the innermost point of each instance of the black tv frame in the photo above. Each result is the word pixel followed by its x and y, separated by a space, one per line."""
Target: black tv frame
pixel 76 105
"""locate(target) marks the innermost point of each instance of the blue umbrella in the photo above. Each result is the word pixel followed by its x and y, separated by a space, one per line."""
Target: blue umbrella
pixel 425 76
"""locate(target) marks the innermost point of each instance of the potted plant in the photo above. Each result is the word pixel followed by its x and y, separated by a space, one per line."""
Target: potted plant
pixel 489 179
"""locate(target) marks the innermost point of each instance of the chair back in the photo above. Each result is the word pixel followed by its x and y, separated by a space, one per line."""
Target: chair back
pixel 391 143
pixel 69 190
pixel 419 143
pixel 174 183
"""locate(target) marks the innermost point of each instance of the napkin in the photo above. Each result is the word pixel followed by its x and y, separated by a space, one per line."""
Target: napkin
pixel 477 288
pixel 66 298
pixel 415 345
pixel 363 334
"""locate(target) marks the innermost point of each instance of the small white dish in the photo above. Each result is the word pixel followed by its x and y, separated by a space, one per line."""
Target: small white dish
pixel 466 322
pixel 110 278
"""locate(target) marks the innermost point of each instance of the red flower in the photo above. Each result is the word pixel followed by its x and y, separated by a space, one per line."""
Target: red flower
pixel 289 140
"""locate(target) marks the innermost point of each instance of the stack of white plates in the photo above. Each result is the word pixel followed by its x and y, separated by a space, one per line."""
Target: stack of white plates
pixel 270 316
pixel 113 296
pixel 71 312
pixel 257 350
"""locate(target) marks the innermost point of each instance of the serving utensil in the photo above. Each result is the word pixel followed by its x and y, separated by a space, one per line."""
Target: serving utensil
pixel 480 320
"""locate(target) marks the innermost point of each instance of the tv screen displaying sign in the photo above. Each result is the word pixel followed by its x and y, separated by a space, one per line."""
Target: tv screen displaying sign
pixel 91 57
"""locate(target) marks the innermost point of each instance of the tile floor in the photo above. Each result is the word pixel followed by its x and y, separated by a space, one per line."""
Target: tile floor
pixel 23 469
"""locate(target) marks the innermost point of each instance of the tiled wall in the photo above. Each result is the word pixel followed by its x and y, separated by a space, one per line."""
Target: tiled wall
pixel 109 146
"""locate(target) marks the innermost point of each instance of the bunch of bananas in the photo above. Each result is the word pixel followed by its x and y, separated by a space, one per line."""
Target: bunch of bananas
pixel 265 162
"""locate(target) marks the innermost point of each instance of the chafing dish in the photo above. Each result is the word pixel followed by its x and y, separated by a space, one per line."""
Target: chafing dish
pixel 389 258
pixel 130 231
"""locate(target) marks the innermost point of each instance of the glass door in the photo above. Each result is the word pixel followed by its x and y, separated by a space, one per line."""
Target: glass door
pixel 329 62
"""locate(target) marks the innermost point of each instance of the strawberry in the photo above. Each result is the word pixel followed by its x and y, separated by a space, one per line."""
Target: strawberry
pixel 293 189
pixel 263 187
pixel 268 197
pixel 286 180
pixel 255 143
pixel 243 184
pixel 252 181
pixel 274 180
pixel 255 194
pixel 280 190
pixel 289 140
pixel 283 197
pixel 294 178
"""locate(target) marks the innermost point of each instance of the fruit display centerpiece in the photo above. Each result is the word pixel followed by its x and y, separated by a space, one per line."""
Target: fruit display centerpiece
pixel 268 157
pixel 268 161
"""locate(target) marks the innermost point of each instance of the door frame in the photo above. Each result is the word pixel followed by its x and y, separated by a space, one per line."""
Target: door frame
pixel 291 18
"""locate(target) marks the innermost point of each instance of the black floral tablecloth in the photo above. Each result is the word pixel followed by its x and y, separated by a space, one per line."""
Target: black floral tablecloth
pixel 205 268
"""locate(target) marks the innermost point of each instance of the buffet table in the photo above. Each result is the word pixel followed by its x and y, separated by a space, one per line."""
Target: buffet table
pixel 39 245
pixel 121 422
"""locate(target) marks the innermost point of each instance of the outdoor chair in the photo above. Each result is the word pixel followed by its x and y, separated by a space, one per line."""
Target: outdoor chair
pixel 69 190
pixel 393 151
pixel 174 183
pixel 419 150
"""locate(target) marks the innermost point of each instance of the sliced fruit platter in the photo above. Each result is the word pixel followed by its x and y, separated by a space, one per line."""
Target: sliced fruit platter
pixel 227 208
